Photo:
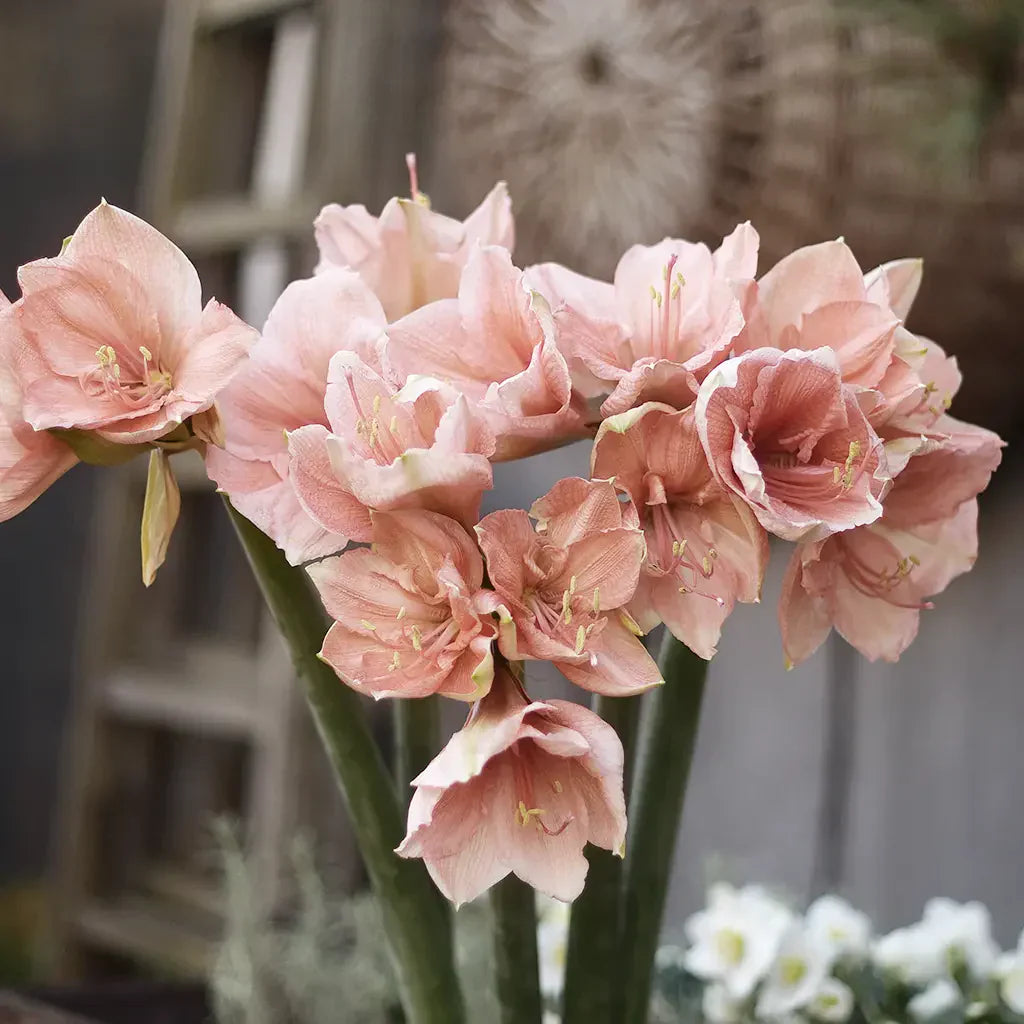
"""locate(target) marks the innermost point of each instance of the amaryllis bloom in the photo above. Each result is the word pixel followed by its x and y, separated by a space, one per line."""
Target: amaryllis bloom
pixel 118 340
pixel 521 788
pixel 705 548
pixel 496 344
pixel 872 583
pixel 671 315
pixel 565 585
pixel 818 297
pixel 782 431
pixel 30 460
pixel 282 388
pixel 410 616
pixel 410 255
pixel 418 447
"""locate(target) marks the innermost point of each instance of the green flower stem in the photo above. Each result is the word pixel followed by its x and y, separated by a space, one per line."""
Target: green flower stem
pixel 668 734
pixel 416 922
pixel 592 960
pixel 417 725
pixel 515 951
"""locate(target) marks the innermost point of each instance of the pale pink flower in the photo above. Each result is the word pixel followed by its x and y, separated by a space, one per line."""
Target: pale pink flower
pixel 495 343
pixel 818 297
pixel 30 460
pixel 118 339
pixel 565 585
pixel 282 388
pixel 522 788
pixel 871 583
pixel 418 447
pixel 782 431
pixel 410 616
pixel 705 548
pixel 410 255
pixel 671 315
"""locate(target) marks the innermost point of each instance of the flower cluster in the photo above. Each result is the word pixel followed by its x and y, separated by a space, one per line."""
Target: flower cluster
pixel 755 959
pixel 724 408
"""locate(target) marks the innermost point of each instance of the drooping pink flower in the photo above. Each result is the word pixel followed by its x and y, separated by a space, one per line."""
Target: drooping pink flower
pixel 410 255
pixel 410 616
pixel 282 388
pixel 818 297
pixel 522 788
pixel 496 344
pixel 782 431
pixel 871 583
pixel 671 315
pixel 30 460
pixel 119 341
pixel 565 585
pixel 418 447
pixel 705 548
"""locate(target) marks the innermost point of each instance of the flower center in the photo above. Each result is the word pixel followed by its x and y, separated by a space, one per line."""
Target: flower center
pixel 380 438
pixel 143 381
pixel 792 970
pixel 673 554
pixel 667 311
pixel 559 619
pixel 731 946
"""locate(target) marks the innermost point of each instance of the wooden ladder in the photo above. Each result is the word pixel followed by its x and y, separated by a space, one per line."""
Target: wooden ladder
pixel 185 705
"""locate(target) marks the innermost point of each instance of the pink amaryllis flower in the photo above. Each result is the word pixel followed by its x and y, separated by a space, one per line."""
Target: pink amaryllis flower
pixel 410 255
pixel 281 389
pixel 522 788
pixel 782 431
pixel 418 447
pixel 118 340
pixel 818 297
pixel 30 460
pixel 565 585
pixel 871 583
pixel 496 344
pixel 705 548
pixel 410 616
pixel 672 314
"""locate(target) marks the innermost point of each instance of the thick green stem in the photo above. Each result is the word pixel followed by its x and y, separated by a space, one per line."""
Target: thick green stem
pixel 417 730
pixel 515 952
pixel 668 734
pixel 592 960
pixel 416 923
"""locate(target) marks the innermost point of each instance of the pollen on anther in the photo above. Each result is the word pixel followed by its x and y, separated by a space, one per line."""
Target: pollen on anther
pixel 376 405
pixel 401 613
pixel 396 662
pixel 366 624
pixel 417 640
pixel 597 600
pixel 581 639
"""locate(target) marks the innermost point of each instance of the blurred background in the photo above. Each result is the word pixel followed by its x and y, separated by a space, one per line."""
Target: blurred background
pixel 130 720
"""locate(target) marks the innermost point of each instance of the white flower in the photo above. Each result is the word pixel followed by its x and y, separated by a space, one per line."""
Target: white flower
pixel 734 940
pixel 800 968
pixel 939 997
pixel 833 921
pixel 964 933
pixel 550 1017
pixel 913 955
pixel 1009 971
pixel 719 1007
pixel 832 1003
pixel 552 944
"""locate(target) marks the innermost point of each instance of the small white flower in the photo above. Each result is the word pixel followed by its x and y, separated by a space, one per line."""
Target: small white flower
pixel 800 968
pixel 1009 971
pixel 552 945
pixel 550 1017
pixel 734 940
pixel 719 1007
pixel 832 920
pixel 939 997
pixel 913 955
pixel 964 933
pixel 832 1003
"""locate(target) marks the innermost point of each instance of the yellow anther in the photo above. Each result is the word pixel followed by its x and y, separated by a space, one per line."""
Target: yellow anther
pixel 680 280
pixel 106 355
pixel 581 639
pixel 366 624
pixel 417 639
pixel 657 299
pixel 572 586
pixel 712 553
pixel 557 786
pixel 915 560
pixel 146 354
pixel 567 606
pixel 654 294
pixel 597 600
pixel 675 290
pixel 360 427
pixel 705 564
pixel 376 405
pixel 396 662
pixel 401 613
pixel 393 424
pixel 837 472
pixel 524 814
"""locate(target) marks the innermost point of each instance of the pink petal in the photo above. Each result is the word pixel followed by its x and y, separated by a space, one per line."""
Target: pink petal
pixel 212 352
pixel 575 508
pixel 895 285
pixel 803 618
pixel 623 665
